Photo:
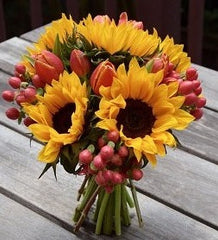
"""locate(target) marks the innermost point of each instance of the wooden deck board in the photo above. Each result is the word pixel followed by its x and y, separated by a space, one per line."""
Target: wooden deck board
pixel 181 179
pixel 20 223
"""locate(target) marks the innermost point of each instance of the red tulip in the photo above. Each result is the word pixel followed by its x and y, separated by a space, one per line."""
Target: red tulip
pixel 102 76
pixel 79 63
pixel 48 66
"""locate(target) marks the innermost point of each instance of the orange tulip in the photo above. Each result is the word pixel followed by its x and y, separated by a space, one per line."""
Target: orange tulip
pixel 79 63
pixel 102 76
pixel 48 66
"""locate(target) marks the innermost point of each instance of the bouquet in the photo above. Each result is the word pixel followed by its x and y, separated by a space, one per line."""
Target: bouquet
pixel 104 99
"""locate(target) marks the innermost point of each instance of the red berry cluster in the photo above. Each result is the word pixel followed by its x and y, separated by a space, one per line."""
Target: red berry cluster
pixel 191 89
pixel 22 92
pixel 111 164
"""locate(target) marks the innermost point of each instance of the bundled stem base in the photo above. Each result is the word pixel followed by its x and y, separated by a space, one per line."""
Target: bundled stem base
pixel 112 209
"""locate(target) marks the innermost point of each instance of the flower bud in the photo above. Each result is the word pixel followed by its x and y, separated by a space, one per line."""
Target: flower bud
pixel 8 95
pixel 201 102
pixel 198 91
pixel 137 174
pixel 85 157
pixel 102 76
pixel 190 99
pixel 30 94
pixel 185 87
pixel 116 160
pixel 117 178
pixel 37 82
pixel 48 66
pixel 102 18
pixel 12 113
pixel 98 162
pixel 79 63
pixel 106 152
pixel 14 82
pixel 113 136
pixel 123 151
pixel 191 74
pixel 20 68
pixel 197 113
pixel 124 19
pixel 28 121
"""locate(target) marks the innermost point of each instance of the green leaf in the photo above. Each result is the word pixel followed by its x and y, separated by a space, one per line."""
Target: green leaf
pixel 29 59
pixel 49 165
pixel 57 46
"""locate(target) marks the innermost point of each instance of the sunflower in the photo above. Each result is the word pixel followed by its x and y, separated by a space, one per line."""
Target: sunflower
pixel 142 110
pixel 115 38
pixel 59 115
pixel 175 53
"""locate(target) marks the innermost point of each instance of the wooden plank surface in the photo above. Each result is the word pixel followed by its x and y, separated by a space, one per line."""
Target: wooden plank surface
pixel 18 174
pixel 20 223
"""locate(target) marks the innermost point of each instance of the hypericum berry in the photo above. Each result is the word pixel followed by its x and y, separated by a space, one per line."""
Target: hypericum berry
pixel 106 152
pixel 113 136
pixel 101 142
pixel 198 91
pixel 30 94
pixel 191 74
pixel 14 82
pixel 100 180
pixel 116 160
pixel 12 113
pixel 109 188
pixel 197 113
pixel 117 178
pixel 8 95
pixel 20 98
pixel 108 175
pixel 28 121
pixel 85 157
pixel 196 84
pixel 190 99
pixel 123 151
pixel 201 102
pixel 98 162
pixel 137 174
pixel 185 87
pixel 37 82
pixel 20 68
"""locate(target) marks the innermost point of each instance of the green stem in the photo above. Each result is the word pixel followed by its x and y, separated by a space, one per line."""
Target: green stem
pixel 129 199
pixel 86 209
pixel 101 213
pixel 117 219
pixel 98 205
pixel 138 212
pixel 108 217
pixel 125 210
pixel 91 187
pixel 81 190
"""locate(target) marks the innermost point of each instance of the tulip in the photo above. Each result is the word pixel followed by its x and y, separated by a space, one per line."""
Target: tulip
pixel 102 19
pixel 79 63
pixel 102 76
pixel 124 19
pixel 48 66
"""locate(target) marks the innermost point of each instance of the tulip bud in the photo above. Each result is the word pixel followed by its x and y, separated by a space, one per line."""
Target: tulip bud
pixel 102 76
pixel 124 19
pixel 102 18
pixel 48 66
pixel 79 63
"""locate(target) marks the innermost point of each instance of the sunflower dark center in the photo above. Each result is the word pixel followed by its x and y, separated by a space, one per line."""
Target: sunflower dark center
pixel 137 119
pixel 62 119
